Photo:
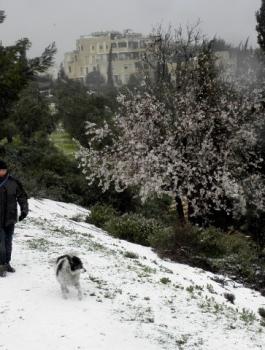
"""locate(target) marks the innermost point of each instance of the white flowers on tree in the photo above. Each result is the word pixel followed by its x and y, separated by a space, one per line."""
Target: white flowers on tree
pixel 182 143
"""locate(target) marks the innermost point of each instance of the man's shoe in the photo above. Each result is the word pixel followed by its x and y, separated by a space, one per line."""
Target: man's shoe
pixel 9 268
pixel 2 271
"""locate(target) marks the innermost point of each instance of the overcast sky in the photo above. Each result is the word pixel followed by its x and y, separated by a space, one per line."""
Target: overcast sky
pixel 63 21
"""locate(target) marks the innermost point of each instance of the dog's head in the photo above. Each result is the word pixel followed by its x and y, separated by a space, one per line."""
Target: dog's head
pixel 76 264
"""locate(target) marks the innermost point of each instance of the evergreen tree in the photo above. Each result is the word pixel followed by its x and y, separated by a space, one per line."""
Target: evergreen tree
pixel 76 106
pixel 2 16
pixel 17 70
pixel 110 82
pixel 260 27
pixel 31 115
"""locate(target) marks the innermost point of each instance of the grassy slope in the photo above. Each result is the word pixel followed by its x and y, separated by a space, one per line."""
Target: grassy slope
pixel 63 141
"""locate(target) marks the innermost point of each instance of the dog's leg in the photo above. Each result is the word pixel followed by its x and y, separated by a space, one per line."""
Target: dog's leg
pixel 64 290
pixel 80 294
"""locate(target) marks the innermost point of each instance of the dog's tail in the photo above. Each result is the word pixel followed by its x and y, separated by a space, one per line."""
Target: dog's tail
pixel 61 261
pixel 59 266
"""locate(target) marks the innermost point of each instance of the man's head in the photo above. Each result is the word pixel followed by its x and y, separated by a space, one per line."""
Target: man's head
pixel 3 168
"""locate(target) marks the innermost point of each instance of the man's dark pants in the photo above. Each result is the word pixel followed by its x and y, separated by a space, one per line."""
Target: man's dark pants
pixel 6 237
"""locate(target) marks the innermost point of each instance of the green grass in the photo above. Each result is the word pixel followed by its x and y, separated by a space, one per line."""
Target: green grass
pixel 131 255
pixel 165 280
pixel 41 244
pixel 63 141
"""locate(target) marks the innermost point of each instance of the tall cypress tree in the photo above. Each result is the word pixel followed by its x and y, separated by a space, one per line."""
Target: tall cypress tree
pixel 110 82
pixel 260 27
pixel 2 16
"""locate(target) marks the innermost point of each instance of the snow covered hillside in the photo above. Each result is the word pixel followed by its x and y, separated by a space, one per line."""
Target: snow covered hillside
pixel 132 299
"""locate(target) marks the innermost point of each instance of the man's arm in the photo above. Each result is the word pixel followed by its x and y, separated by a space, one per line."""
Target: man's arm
pixel 22 199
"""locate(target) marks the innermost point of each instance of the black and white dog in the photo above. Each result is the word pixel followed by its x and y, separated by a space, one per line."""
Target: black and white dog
pixel 68 268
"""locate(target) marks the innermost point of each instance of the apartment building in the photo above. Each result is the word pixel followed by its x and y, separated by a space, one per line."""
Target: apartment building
pixel 93 51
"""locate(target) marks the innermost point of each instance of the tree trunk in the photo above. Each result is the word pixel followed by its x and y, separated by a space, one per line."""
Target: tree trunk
pixel 180 211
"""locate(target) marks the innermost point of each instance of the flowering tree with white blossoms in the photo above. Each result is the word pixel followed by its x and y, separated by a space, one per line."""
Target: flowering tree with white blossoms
pixel 194 137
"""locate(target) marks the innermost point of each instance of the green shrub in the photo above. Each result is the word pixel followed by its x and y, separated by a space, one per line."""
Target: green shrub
pixel 100 214
pixel 210 242
pixel 155 207
pixel 208 248
pixel 165 280
pixel 162 239
pixel 230 297
pixel 132 227
pixel 131 255
pixel 216 243
pixel 168 239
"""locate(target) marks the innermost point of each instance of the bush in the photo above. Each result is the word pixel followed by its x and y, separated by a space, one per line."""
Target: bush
pixel 100 214
pixel 217 244
pixel 165 280
pixel 169 239
pixel 131 255
pixel 155 207
pixel 230 297
pixel 162 240
pixel 134 228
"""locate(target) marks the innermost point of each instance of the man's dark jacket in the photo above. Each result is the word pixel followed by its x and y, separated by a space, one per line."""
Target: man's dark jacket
pixel 11 193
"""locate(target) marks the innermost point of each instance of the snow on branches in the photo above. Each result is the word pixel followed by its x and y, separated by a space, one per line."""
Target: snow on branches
pixel 181 143
pixel 203 155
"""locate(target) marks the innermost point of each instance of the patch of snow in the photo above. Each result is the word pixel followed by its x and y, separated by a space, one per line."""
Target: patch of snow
pixel 142 303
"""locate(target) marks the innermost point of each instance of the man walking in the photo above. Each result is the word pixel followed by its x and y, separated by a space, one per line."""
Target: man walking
pixel 11 193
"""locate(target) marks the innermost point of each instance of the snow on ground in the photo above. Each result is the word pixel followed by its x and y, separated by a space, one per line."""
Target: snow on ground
pixel 132 299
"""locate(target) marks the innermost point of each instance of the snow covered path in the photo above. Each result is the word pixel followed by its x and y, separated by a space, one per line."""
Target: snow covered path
pixel 133 300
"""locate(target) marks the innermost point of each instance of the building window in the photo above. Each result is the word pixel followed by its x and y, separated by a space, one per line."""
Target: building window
pixel 125 67
pixel 124 56
pixel 122 44
pixel 92 48
pixel 70 69
pixel 113 45
pixel 117 79
pixel 100 47
pixel 138 65
pixel 142 44
pixel 133 44
pixel 135 55
pixel 82 48
pixel 103 58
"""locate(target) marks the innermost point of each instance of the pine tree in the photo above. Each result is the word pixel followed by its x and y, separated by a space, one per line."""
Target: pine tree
pixel 17 71
pixel 110 82
pixel 260 27
pixel 2 16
